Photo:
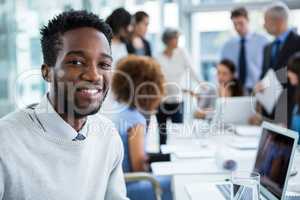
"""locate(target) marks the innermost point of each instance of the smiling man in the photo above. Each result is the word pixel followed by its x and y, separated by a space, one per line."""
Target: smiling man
pixel 60 148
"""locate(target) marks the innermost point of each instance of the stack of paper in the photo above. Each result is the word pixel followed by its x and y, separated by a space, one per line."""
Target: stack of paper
pixel 272 90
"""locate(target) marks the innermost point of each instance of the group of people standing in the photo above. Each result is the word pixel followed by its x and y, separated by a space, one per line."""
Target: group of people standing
pixel 247 57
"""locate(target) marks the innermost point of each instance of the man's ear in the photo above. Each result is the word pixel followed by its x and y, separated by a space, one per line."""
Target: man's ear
pixel 47 72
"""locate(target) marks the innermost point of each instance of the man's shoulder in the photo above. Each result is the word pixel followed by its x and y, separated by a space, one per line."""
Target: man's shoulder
pixel 105 129
pixel 12 125
pixel 260 37
pixel 101 119
pixel 234 40
pixel 103 124
pixel 13 119
pixel 294 38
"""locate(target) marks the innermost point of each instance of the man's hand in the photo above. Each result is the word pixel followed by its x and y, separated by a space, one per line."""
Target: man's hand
pixel 259 87
pixel 255 120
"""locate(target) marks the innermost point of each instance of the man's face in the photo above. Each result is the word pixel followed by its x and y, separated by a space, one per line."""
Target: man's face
pixel 270 24
pixel 82 73
pixel 241 25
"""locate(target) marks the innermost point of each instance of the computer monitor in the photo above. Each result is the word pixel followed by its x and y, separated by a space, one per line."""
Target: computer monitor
pixel 235 110
pixel 274 159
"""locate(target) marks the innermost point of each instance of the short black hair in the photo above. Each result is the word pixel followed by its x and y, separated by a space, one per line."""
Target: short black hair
pixel 119 18
pixel 51 33
pixel 239 12
pixel 139 16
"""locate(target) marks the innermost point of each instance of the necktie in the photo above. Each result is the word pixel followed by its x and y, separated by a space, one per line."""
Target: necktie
pixel 79 137
pixel 275 52
pixel 242 62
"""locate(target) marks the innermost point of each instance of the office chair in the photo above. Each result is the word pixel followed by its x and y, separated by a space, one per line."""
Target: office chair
pixel 142 176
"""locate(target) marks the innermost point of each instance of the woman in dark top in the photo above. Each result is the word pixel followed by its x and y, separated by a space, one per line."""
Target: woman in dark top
pixel 294 78
pixel 228 86
pixel 137 44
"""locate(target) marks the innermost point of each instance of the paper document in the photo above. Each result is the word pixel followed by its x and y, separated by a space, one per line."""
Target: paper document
pixel 207 190
pixel 248 131
pixel 205 153
pixel 244 143
pixel 272 90
pixel 205 166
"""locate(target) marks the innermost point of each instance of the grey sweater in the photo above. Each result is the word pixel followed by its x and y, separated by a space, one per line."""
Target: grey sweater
pixel 35 165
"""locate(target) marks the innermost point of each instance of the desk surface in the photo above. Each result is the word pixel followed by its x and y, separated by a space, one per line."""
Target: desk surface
pixel 187 170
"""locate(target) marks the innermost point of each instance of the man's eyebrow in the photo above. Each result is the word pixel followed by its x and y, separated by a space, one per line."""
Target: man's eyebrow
pixel 106 56
pixel 81 53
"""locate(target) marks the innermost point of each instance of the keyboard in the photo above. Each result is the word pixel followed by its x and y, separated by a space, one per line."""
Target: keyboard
pixel 226 192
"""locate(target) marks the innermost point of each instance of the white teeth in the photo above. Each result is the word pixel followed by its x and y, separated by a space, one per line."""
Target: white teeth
pixel 90 91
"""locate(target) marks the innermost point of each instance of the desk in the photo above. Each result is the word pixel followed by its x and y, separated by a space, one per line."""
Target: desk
pixel 190 170
pixel 179 182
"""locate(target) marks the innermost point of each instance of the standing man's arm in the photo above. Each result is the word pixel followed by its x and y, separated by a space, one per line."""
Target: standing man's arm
pixel 266 62
pixel 227 51
pixel 116 189
pixel 258 51
pixel 223 52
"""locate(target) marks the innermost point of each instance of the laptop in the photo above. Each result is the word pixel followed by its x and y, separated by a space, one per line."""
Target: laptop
pixel 235 110
pixel 273 162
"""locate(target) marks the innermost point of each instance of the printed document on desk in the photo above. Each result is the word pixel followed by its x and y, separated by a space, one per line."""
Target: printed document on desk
pixel 207 190
pixel 248 131
pixel 202 166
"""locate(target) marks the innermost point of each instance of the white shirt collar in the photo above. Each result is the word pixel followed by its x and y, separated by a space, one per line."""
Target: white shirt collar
pixel 247 36
pixel 53 124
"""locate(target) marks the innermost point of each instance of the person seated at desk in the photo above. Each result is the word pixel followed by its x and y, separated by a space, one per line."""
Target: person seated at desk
pixel 228 86
pixel 294 78
pixel 138 86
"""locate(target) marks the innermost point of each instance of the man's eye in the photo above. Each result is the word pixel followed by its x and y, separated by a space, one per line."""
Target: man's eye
pixel 105 66
pixel 75 62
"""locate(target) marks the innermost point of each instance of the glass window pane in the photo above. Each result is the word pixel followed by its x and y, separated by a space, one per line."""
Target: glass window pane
pixel 211 2
pixel 3 88
pixel 35 52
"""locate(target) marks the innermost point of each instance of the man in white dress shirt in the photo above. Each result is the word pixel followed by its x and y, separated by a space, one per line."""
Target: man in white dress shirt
pixel 60 149
pixel 245 50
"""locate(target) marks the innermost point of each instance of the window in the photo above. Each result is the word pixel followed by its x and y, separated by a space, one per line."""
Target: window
pixel 208 38
pixel 35 52
pixel 214 2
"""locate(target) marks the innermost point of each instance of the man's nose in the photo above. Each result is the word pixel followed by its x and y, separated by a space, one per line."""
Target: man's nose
pixel 92 74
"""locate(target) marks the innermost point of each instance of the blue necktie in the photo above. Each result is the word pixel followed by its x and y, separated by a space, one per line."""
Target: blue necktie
pixel 275 52
pixel 242 62
pixel 79 137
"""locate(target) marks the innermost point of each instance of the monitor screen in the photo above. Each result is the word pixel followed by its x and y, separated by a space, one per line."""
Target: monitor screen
pixel 272 161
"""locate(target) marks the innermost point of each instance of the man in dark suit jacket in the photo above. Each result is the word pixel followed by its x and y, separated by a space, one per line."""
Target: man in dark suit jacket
pixel 276 56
